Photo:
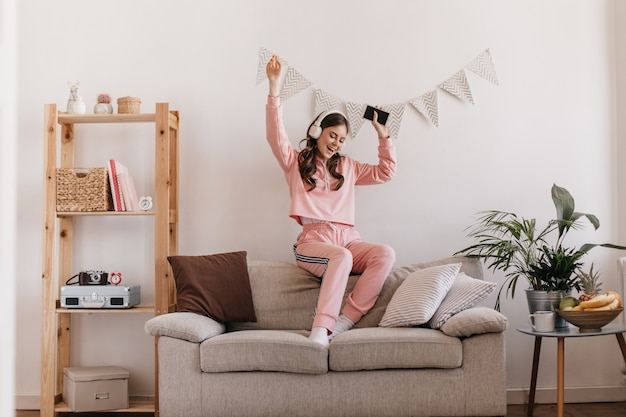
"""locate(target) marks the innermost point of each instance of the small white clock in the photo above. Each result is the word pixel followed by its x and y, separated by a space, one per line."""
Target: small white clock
pixel 145 203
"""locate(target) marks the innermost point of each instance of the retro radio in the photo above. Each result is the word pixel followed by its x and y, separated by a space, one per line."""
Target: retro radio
pixel 100 296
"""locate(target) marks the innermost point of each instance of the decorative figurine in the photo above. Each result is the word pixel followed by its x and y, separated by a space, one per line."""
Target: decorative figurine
pixel 75 104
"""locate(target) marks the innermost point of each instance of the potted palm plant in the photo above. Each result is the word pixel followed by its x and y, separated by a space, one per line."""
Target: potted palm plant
pixel 538 256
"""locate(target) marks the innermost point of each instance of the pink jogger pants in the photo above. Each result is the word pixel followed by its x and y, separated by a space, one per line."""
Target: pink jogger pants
pixel 332 251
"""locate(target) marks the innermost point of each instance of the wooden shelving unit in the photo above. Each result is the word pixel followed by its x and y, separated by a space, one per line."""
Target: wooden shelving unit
pixel 58 235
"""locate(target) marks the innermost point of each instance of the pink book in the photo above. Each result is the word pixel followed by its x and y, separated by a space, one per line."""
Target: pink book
pixel 129 193
pixel 118 204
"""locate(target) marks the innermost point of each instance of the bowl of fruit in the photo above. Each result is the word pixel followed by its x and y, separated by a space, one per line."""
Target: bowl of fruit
pixel 591 314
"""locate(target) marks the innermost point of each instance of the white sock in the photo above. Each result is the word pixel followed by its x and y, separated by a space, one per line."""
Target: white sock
pixel 319 335
pixel 343 323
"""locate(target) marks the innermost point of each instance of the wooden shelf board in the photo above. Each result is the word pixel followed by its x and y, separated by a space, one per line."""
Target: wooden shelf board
pixel 133 310
pixel 65 118
pixel 104 213
pixel 134 407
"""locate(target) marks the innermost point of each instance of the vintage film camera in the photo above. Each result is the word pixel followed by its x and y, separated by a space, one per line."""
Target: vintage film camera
pixel 93 278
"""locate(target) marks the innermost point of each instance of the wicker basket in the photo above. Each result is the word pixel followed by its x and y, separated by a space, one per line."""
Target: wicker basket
pixel 83 190
pixel 128 105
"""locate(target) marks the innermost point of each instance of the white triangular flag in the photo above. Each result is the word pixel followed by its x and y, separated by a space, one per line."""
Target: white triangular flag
pixel 326 101
pixel 427 105
pixel 396 111
pixel 355 117
pixel 294 83
pixel 483 66
pixel 458 86
pixel 264 57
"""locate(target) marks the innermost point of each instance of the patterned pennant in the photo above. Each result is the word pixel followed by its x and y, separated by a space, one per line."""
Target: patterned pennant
pixel 458 86
pixel 325 101
pixel 264 57
pixel 355 117
pixel 427 105
pixel 483 66
pixel 294 83
pixel 396 111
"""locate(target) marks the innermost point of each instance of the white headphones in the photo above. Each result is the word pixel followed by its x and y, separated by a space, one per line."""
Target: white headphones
pixel 315 131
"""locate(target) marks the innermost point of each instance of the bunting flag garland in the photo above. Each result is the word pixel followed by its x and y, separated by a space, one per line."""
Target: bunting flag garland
pixel 458 86
pixel 483 66
pixel 294 83
pixel 354 114
pixel 264 57
pixel 396 111
pixel 325 101
pixel 426 104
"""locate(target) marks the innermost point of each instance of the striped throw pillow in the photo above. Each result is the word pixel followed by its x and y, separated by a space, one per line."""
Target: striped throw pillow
pixel 465 293
pixel 418 297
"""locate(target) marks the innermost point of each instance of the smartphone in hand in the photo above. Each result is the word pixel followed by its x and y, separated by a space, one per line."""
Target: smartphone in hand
pixel 382 115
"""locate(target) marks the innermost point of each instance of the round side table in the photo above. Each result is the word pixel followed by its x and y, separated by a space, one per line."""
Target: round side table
pixel 561 334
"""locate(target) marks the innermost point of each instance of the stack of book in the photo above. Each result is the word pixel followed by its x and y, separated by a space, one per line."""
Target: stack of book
pixel 122 187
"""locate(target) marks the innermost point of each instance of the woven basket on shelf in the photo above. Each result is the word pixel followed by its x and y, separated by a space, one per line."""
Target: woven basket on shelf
pixel 83 191
pixel 128 105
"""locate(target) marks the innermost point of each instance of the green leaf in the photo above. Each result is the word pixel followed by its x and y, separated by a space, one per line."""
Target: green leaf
pixel 588 246
pixel 564 204
pixel 563 201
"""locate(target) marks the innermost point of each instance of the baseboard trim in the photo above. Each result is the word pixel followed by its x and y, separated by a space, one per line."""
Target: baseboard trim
pixel 572 395
pixel 513 396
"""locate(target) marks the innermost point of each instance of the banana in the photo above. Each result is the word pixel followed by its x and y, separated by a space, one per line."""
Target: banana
pixel 577 308
pixel 597 301
pixel 611 306
pixel 618 298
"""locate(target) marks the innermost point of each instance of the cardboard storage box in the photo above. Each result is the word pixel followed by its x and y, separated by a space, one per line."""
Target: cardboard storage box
pixel 95 388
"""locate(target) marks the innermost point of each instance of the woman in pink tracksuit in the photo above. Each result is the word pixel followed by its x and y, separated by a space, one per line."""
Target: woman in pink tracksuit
pixel 322 187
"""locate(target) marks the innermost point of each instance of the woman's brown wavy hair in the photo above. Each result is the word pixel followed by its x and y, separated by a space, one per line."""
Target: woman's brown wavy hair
pixel 307 156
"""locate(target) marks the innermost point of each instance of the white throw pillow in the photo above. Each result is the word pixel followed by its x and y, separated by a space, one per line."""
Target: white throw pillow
pixel 417 298
pixel 465 293
pixel 475 320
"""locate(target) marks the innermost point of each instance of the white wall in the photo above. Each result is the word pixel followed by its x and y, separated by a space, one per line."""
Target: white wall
pixel 552 119
pixel 8 210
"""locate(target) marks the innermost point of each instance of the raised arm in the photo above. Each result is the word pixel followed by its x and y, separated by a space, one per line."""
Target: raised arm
pixel 275 129
pixel 273 70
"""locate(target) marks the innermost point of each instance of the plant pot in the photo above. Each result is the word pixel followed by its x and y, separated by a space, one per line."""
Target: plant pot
pixel 546 301
pixel 103 108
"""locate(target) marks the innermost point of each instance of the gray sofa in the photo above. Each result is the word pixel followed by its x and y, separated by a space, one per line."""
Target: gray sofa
pixel 270 368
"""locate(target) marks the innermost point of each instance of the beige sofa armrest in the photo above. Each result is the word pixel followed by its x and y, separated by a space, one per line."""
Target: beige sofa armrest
pixel 186 326
pixel 475 320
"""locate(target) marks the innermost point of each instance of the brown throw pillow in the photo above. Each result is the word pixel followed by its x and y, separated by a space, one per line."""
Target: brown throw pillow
pixel 217 286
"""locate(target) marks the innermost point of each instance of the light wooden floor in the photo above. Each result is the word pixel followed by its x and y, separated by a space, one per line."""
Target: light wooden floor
pixel 542 410
pixel 571 410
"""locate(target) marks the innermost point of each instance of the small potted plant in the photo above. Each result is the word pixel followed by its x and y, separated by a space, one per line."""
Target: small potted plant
pixel 103 106
pixel 539 256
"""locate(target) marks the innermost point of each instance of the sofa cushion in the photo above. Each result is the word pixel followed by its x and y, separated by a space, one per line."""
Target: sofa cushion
pixel 217 286
pixel 187 326
pixel 263 350
pixel 465 293
pixel 476 320
pixel 284 296
pixel 394 348
pixel 418 297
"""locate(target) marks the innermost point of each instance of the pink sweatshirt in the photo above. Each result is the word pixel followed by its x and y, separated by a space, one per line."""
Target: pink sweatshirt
pixel 323 202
